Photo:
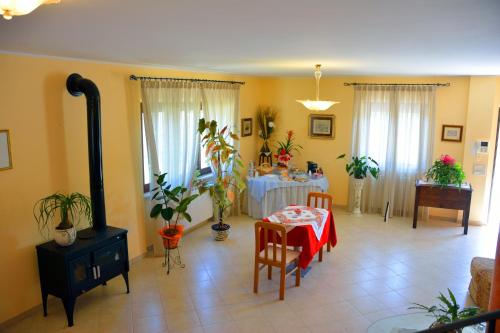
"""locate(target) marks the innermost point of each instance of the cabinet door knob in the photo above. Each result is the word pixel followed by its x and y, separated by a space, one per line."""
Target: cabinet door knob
pixel 98 271
pixel 95 272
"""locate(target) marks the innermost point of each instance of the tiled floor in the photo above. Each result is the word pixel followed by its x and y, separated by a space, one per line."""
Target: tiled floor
pixel 375 271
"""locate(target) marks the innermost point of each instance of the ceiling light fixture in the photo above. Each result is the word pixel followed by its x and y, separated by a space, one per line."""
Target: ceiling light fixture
pixel 317 105
pixel 10 8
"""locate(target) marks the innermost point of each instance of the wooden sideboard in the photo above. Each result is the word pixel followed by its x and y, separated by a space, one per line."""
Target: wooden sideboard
pixel 449 197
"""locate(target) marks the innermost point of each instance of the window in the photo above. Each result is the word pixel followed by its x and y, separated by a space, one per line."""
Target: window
pixel 406 131
pixel 393 125
pixel 202 163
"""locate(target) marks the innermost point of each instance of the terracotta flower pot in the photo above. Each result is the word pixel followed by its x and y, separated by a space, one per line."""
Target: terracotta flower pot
pixel 171 236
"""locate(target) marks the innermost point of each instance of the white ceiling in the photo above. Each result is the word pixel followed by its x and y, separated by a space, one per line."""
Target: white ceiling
pixel 269 37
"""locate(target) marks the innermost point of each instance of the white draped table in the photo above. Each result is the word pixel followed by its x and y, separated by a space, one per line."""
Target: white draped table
pixel 268 194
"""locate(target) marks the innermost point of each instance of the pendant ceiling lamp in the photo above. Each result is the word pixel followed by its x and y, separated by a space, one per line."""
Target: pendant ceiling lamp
pixel 10 8
pixel 317 105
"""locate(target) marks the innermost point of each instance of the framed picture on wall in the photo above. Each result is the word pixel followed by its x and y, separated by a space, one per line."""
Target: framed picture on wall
pixel 452 133
pixel 246 126
pixel 322 126
pixel 5 153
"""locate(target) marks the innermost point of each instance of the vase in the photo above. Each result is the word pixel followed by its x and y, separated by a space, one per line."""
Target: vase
pixel 220 230
pixel 65 237
pixel 171 239
pixel 358 189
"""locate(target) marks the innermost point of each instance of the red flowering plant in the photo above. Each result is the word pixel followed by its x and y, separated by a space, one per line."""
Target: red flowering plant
pixel 285 149
pixel 446 171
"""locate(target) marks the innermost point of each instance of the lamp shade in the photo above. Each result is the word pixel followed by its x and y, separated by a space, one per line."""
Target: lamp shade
pixel 9 8
pixel 317 104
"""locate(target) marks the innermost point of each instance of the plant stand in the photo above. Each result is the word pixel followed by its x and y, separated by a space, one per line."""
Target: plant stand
pixel 172 258
pixel 358 188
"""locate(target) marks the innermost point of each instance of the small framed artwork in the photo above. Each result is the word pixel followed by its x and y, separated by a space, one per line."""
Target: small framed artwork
pixel 246 126
pixel 322 126
pixel 5 153
pixel 452 133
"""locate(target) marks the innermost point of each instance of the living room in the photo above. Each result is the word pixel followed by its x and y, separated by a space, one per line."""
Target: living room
pixel 137 55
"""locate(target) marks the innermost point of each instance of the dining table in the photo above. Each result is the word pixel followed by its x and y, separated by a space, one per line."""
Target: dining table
pixel 269 193
pixel 308 228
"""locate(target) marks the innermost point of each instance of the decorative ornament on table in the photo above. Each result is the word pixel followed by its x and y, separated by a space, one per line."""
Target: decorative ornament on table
pixel 445 171
pixel 265 119
pixel 285 149
pixel 359 168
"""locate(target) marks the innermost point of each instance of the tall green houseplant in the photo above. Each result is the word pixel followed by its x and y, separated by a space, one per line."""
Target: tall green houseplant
pixel 224 160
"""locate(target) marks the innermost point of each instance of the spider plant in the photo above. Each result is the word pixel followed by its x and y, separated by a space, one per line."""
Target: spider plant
pixel 70 207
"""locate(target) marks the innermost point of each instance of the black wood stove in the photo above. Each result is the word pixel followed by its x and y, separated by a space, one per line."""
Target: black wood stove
pixel 99 253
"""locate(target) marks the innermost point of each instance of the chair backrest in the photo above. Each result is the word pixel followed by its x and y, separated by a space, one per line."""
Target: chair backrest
pixel 325 199
pixel 265 233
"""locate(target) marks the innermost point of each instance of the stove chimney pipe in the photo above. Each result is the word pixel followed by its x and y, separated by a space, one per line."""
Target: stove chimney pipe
pixel 77 85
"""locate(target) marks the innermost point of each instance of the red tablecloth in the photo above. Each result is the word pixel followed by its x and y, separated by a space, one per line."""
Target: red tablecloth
pixel 305 237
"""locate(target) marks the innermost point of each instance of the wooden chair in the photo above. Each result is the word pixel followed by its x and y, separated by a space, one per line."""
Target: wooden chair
pixel 274 254
pixel 320 201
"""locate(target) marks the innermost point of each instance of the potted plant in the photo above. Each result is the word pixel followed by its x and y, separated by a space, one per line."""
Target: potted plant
pixel 360 167
pixel 446 171
pixel 224 160
pixel 265 119
pixel 285 149
pixel 71 207
pixel 172 204
pixel 448 311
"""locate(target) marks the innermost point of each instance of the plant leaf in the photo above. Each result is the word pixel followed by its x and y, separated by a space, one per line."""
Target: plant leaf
pixel 156 210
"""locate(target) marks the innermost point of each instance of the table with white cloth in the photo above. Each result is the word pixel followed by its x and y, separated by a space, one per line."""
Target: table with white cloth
pixel 268 193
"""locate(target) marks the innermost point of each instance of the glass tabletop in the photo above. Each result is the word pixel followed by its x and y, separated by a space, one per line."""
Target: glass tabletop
pixel 408 323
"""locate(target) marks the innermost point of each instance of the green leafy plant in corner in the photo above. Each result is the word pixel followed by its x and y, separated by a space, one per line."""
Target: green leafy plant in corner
pixel 447 311
pixel 361 167
pixel 70 207
pixel 172 203
pixel 225 161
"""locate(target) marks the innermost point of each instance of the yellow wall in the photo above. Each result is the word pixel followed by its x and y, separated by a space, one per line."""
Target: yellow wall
pixel 482 120
pixel 49 151
pixel 451 108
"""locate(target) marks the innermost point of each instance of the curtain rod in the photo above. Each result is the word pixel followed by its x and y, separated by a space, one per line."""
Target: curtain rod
pixel 396 84
pixel 135 78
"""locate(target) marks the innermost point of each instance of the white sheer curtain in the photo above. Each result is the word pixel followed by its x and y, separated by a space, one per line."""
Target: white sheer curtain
pixel 393 124
pixel 221 102
pixel 171 112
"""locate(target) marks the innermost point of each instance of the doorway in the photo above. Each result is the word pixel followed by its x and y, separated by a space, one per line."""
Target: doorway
pixel 494 205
